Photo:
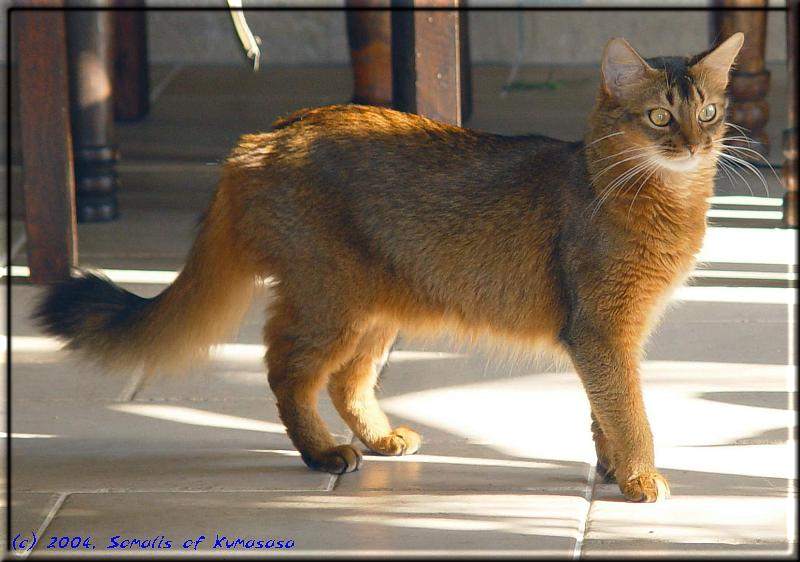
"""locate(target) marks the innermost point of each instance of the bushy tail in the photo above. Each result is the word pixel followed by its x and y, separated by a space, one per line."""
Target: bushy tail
pixel 123 331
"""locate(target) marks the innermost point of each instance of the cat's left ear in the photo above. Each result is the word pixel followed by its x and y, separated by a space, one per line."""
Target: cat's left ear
pixel 717 63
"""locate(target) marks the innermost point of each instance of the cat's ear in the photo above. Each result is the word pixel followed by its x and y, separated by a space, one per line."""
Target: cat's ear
pixel 717 62
pixel 622 67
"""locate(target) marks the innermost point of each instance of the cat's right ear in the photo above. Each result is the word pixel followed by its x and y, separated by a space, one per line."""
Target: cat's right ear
pixel 622 67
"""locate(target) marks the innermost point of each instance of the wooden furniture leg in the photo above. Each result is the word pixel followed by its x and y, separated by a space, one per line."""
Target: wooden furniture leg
pixel 404 90
pixel 750 79
pixel 790 163
pixel 91 69
pixel 48 177
pixel 430 60
pixel 369 34
pixel 438 51
pixel 131 77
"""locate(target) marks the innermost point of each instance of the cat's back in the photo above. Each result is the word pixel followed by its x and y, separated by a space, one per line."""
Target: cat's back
pixel 375 147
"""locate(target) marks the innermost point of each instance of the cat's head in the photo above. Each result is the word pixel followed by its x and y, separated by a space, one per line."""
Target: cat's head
pixel 671 108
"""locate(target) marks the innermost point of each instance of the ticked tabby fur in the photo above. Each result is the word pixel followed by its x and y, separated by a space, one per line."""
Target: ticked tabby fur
pixel 372 221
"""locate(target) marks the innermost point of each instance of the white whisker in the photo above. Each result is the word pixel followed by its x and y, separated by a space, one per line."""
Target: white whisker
pixel 605 137
pixel 614 165
pixel 727 166
pixel 617 184
pixel 621 152
pixel 641 185
pixel 757 154
pixel 748 166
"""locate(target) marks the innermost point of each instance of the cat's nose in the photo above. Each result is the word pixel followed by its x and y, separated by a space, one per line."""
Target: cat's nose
pixel 692 148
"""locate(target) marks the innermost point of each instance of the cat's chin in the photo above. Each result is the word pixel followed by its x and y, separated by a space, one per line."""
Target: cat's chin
pixel 686 164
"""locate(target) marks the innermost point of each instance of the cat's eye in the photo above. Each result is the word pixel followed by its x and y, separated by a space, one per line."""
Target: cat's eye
pixel 708 112
pixel 660 117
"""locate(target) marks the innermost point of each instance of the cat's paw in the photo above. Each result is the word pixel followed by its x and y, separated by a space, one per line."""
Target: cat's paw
pixel 605 464
pixel 401 441
pixel 647 488
pixel 338 460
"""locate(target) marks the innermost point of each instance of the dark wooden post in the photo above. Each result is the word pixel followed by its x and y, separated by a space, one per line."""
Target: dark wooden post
pixel 131 77
pixel 438 52
pixel 403 71
pixel 91 68
pixel 790 163
pixel 750 79
pixel 48 177
pixel 369 34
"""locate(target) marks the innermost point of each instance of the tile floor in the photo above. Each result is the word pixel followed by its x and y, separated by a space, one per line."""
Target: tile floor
pixel 507 466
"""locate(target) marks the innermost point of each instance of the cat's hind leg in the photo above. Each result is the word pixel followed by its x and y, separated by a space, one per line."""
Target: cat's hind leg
pixel 303 348
pixel 352 389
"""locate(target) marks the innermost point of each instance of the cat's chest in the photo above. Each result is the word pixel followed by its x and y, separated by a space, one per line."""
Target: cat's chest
pixel 648 263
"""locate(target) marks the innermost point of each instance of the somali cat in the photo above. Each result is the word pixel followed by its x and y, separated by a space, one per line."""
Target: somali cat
pixel 371 221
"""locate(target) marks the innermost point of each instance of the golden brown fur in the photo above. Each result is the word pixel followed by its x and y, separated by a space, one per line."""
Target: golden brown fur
pixel 372 221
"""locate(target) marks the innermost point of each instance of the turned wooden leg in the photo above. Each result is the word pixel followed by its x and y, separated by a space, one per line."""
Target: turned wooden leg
pixel 790 164
pixel 750 78
pixel 48 177
pixel 91 69
pixel 131 77
pixel 369 34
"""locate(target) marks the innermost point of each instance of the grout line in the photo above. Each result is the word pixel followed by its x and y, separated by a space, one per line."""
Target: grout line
pixel 16 247
pixel 584 526
pixel 130 389
pixel 79 491
pixel 159 88
pixel 335 477
pixel 51 514
pixel 332 482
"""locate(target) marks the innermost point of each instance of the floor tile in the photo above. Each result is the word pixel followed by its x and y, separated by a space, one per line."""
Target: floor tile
pixel 449 463
pixel 691 525
pixel 29 511
pixel 156 446
pixel 338 523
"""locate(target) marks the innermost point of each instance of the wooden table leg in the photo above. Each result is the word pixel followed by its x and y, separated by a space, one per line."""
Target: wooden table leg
pixel 48 176
pixel 369 34
pixel 430 60
pixel 438 51
pixel 750 79
pixel 790 163
pixel 131 77
pixel 91 72
pixel 404 89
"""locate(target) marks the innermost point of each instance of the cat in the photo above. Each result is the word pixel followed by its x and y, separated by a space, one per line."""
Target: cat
pixel 371 220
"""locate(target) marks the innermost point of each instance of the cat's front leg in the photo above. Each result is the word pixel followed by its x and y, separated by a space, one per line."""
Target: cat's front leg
pixel 608 368
pixel 605 458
